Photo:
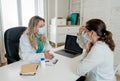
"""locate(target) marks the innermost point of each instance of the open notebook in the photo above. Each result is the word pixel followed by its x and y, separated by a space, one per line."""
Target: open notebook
pixel 28 69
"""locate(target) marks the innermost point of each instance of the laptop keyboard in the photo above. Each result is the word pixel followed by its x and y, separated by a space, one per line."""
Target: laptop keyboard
pixel 71 52
pixel 67 53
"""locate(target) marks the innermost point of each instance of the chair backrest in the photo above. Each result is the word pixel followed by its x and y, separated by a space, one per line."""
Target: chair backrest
pixel 11 40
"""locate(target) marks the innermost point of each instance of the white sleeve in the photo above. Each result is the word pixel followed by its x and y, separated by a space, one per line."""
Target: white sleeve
pixel 94 57
pixel 48 47
pixel 26 52
pixel 80 41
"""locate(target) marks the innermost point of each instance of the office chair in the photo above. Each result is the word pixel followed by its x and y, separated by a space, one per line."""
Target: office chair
pixel 11 40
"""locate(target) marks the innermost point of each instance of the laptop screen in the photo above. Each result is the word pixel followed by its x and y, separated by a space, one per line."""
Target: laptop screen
pixel 72 45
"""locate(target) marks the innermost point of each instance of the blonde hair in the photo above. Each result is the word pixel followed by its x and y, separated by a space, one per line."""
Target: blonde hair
pixel 31 31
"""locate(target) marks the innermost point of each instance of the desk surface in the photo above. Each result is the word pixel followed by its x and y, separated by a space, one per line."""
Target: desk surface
pixel 64 70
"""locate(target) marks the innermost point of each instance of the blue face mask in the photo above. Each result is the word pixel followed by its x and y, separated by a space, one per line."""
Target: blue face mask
pixel 42 30
pixel 85 38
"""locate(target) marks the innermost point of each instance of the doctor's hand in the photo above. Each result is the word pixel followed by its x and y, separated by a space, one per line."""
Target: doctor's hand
pixel 48 55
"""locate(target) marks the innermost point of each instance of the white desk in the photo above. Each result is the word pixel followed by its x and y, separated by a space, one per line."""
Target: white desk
pixel 64 70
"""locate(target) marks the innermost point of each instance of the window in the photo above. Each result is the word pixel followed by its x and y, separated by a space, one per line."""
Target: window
pixel 18 12
pixel 28 10
pixel 9 13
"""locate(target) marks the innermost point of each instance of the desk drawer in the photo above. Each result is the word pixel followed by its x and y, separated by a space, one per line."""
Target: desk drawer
pixel 61 38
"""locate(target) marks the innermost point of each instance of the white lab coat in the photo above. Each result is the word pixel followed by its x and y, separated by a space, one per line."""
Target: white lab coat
pixel 28 53
pixel 98 63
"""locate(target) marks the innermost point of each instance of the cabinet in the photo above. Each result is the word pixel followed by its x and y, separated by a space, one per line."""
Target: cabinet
pixel 57 34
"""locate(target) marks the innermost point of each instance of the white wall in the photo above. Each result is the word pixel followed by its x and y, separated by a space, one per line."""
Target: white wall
pixel 51 10
pixel 96 9
pixel 115 26
pixel 63 8
pixel 61 11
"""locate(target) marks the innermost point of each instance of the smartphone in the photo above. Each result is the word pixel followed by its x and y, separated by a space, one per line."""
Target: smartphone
pixel 51 62
pixel 55 61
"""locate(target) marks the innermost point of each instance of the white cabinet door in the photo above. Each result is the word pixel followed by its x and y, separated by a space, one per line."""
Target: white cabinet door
pixel 60 38
pixel 67 30
pixel 58 34
pixel 63 31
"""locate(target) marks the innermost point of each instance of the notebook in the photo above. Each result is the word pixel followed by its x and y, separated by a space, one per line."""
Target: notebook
pixel 72 48
pixel 28 69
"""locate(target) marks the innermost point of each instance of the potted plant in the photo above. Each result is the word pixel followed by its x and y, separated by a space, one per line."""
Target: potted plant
pixel 69 20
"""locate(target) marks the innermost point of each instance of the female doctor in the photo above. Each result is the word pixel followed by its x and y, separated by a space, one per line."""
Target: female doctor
pixel 98 62
pixel 33 43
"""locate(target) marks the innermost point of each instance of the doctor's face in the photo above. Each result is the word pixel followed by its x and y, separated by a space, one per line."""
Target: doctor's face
pixel 40 24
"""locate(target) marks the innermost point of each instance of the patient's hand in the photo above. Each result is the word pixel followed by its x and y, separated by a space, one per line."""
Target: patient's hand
pixel 88 47
pixel 48 55
pixel 81 29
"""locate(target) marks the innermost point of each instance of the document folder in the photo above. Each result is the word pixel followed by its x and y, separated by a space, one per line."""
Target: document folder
pixel 28 69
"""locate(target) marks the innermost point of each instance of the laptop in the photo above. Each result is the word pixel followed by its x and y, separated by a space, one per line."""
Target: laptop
pixel 72 48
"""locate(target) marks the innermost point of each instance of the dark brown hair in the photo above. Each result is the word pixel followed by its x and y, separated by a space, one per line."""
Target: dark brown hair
pixel 99 27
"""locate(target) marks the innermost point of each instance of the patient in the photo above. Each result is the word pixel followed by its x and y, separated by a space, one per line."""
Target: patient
pixel 33 43
pixel 99 60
